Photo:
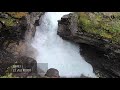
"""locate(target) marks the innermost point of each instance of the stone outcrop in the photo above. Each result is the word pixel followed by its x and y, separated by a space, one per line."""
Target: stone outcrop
pixel 98 33
pixel 16 32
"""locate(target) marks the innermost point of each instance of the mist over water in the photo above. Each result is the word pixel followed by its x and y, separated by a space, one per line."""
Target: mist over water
pixel 58 53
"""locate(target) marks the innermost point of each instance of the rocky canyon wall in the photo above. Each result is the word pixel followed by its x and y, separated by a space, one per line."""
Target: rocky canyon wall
pixel 16 32
pixel 98 34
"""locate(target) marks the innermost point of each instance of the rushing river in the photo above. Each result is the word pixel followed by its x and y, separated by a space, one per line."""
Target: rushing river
pixel 56 52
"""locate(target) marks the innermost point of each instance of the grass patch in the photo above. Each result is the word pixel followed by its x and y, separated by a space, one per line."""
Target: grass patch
pixel 105 25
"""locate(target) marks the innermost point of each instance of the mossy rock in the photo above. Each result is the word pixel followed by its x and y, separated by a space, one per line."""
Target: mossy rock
pixel 104 24
pixel 8 22
pixel 10 75
pixel 12 18
pixel 17 14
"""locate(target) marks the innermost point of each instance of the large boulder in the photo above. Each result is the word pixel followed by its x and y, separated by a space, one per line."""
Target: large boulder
pixel 52 73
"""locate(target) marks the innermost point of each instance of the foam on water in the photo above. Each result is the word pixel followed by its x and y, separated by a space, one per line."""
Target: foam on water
pixel 55 51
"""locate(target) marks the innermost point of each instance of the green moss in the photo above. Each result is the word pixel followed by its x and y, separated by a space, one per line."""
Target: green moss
pixel 106 35
pixel 8 21
pixel 9 75
pixel 17 14
pixel 101 24
pixel 12 18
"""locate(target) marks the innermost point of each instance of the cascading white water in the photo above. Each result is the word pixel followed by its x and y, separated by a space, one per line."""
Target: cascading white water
pixel 58 53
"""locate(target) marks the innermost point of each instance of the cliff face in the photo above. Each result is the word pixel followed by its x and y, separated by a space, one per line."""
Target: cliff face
pixel 16 32
pixel 17 29
pixel 95 32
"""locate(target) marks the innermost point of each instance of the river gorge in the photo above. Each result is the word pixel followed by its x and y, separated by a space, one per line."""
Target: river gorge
pixel 60 44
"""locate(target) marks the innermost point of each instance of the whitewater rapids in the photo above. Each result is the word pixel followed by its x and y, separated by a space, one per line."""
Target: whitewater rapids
pixel 56 52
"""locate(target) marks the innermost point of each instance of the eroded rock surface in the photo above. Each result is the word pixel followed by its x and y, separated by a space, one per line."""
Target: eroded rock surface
pixel 98 31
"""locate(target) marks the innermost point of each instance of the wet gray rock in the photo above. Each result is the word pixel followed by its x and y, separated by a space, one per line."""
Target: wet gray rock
pixel 52 73
pixel 6 60
pixel 1 25
pixel 3 15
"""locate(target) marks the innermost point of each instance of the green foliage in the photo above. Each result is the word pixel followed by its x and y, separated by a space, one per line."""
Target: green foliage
pixel 101 24
pixel 8 21
pixel 8 75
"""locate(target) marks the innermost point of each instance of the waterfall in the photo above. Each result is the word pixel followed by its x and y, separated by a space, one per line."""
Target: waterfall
pixel 56 52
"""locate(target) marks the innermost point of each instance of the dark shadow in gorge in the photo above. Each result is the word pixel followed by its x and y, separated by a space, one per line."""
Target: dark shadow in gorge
pixel 101 63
